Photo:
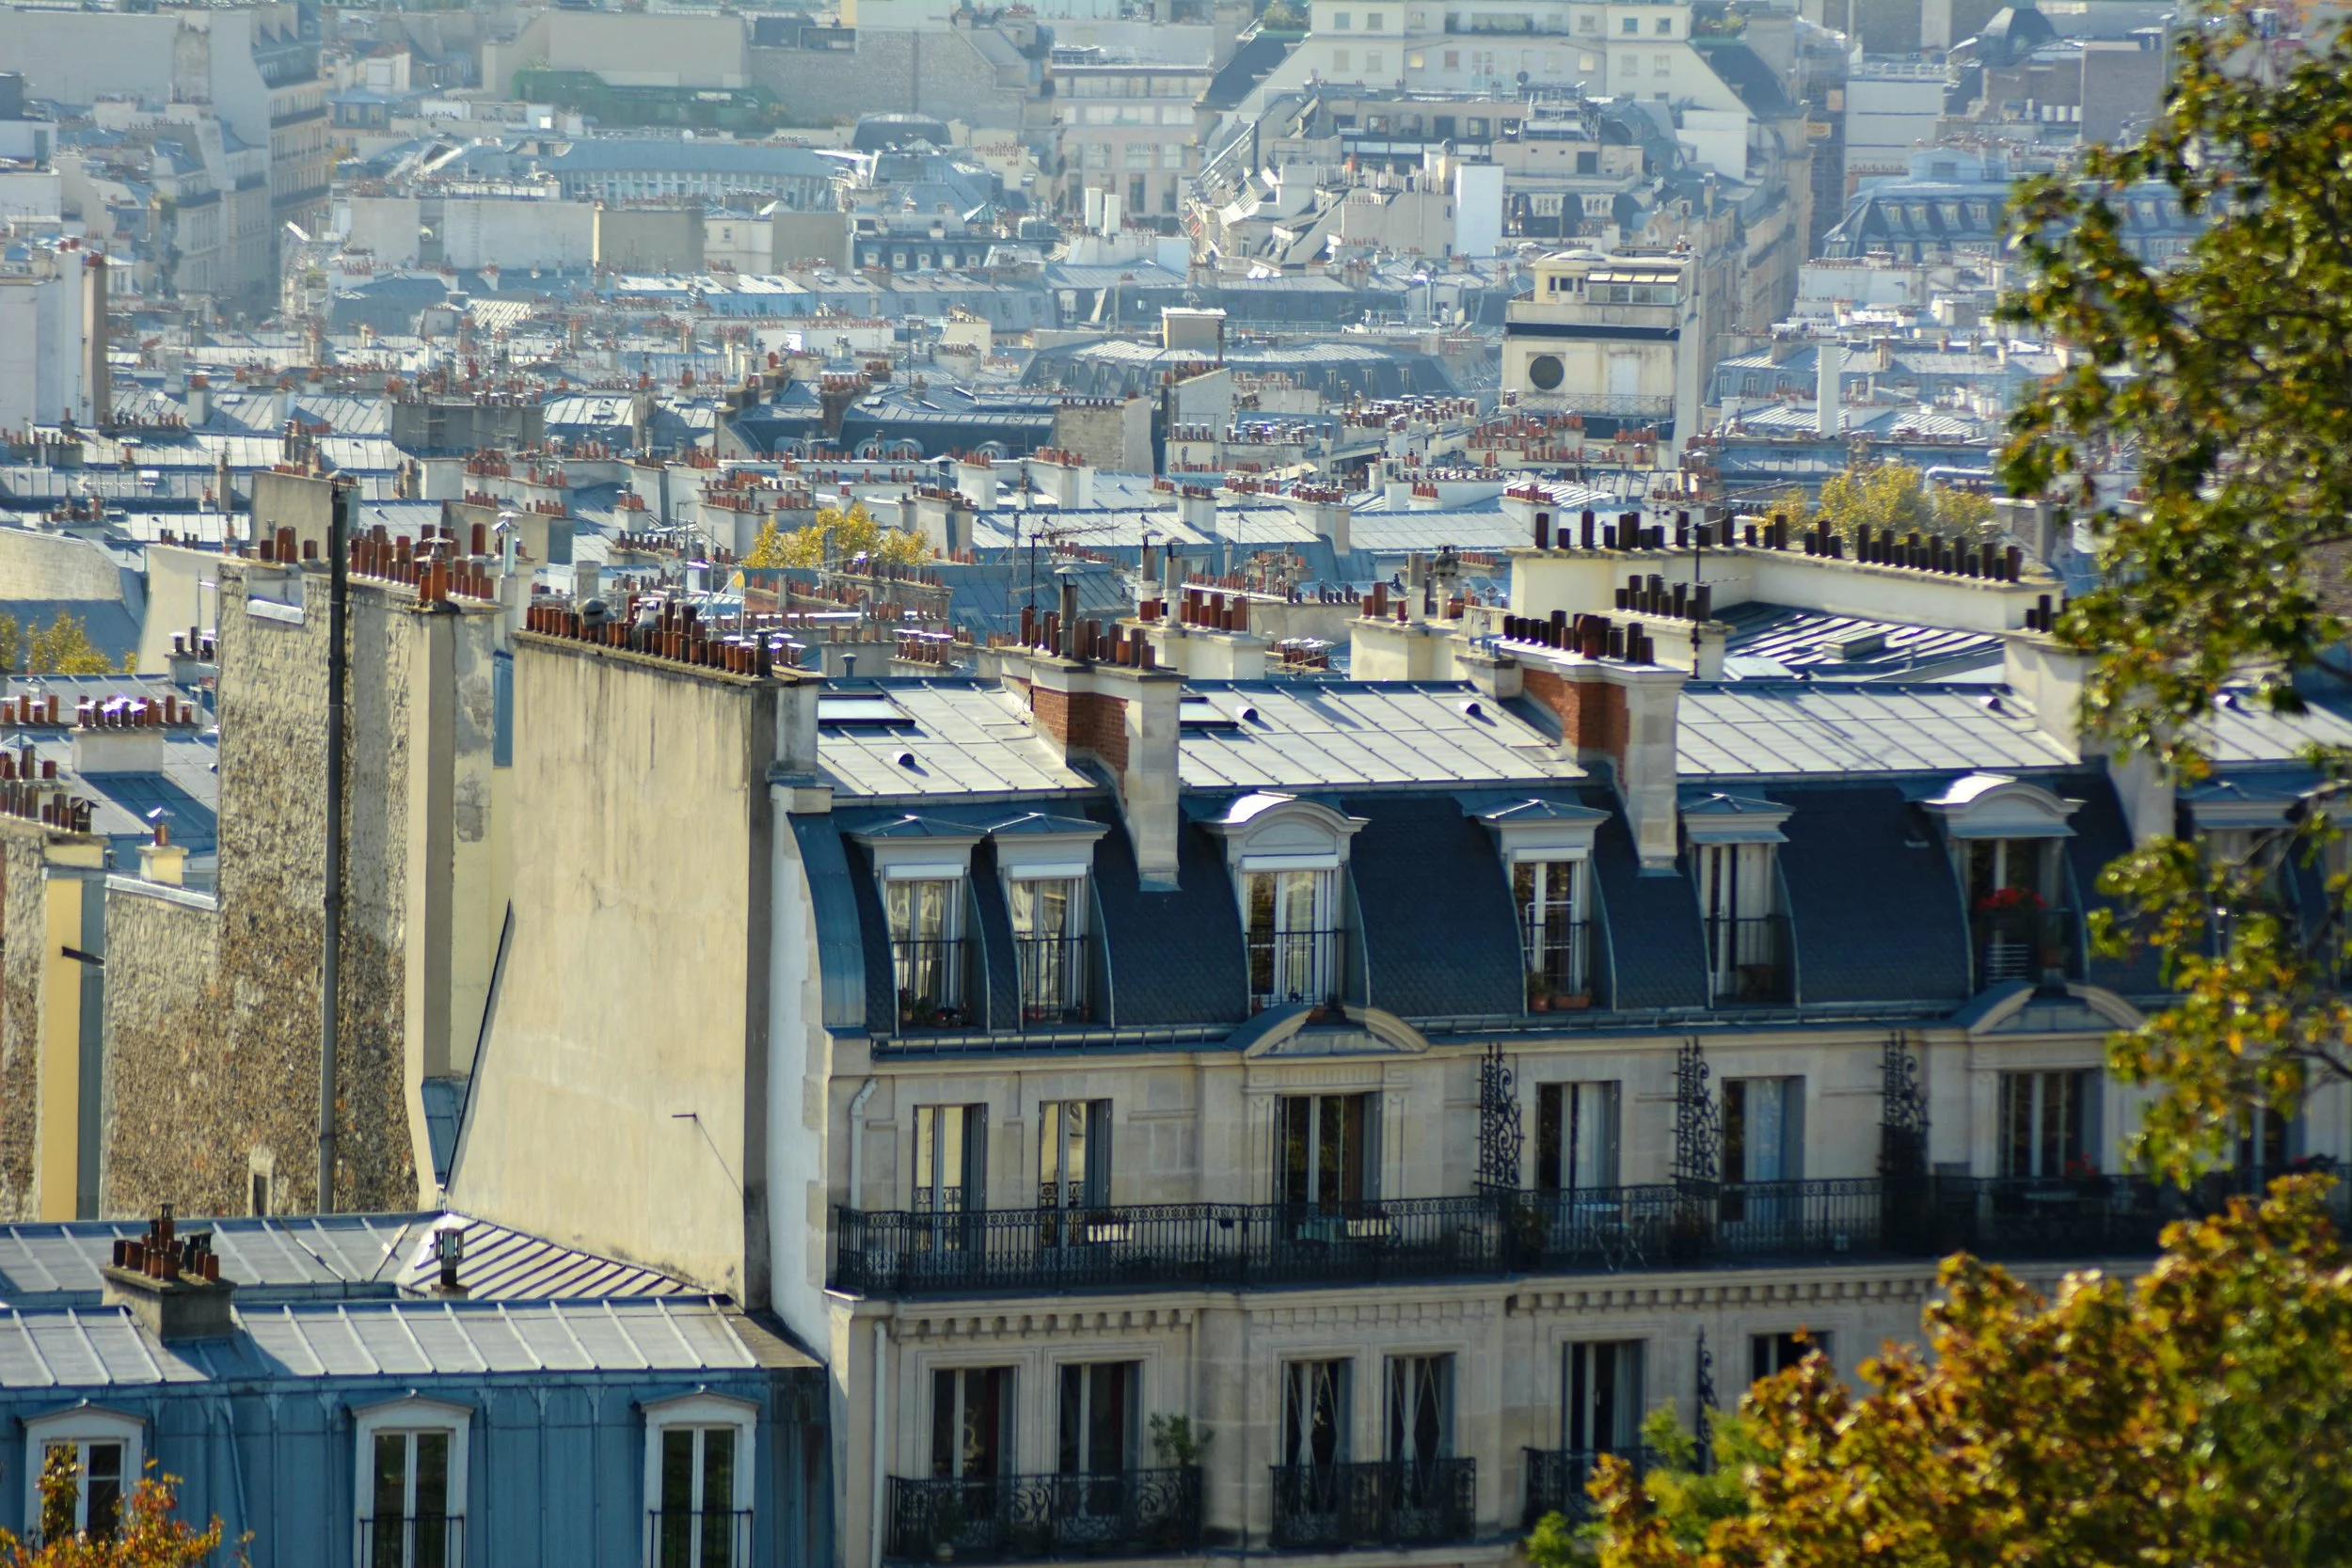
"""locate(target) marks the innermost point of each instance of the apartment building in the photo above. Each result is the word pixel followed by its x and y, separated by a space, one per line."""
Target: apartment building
pixel 1409 1082
pixel 1129 129
pixel 1619 341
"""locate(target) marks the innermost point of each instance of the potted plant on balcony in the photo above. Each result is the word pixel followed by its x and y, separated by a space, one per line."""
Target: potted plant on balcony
pixel 1538 992
pixel 1571 1001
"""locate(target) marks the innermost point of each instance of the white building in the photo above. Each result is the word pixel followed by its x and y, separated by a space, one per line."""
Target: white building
pixel 43 340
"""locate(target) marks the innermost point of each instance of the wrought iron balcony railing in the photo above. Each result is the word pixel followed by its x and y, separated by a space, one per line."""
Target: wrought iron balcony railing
pixel 1748 959
pixel 412 1540
pixel 1556 1479
pixel 1559 973
pixel 1395 1502
pixel 1295 966
pixel 2020 944
pixel 1012 1518
pixel 1053 980
pixel 698 1538
pixel 929 975
pixel 1260 1246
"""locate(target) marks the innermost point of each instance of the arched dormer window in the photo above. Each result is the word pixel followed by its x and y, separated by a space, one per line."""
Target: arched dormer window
pixel 1286 855
pixel 922 864
pixel 1734 843
pixel 2006 835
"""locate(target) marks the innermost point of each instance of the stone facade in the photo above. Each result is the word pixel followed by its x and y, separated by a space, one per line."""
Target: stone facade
pixel 213 1020
pixel 937 72
pixel 24 921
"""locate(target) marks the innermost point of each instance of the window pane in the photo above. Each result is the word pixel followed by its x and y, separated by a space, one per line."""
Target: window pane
pixel 677 1470
pixel 102 1480
pixel 430 1533
pixel 718 1498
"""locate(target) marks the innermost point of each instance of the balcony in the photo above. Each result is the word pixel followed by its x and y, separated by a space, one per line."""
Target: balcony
pixel 1559 973
pixel 412 1540
pixel 1748 959
pixel 1395 1502
pixel 698 1538
pixel 1556 1479
pixel 1598 1230
pixel 1296 966
pixel 931 982
pixel 1053 981
pixel 1020 1519
pixel 2020 943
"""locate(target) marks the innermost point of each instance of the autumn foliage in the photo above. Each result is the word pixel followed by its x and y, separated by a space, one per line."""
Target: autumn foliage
pixel 2195 1416
pixel 147 1535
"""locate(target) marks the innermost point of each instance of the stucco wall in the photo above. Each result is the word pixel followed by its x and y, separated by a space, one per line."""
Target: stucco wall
pixel 935 71
pixel 626 1072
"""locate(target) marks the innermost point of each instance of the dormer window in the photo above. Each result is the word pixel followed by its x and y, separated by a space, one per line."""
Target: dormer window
pixel 923 865
pixel 1546 846
pixel 1735 866
pixel 1047 863
pixel 2006 835
pixel 2243 824
pixel 1286 855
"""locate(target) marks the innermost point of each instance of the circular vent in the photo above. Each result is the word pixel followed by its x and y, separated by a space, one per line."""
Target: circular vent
pixel 1545 371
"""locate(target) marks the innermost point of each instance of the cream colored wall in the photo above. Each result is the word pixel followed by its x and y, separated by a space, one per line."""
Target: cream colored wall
pixel 58 1141
pixel 180 594
pixel 627 1073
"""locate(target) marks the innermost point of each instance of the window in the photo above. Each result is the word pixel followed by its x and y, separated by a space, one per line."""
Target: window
pixel 2046 1123
pixel 1769 1353
pixel 1339 59
pixel 109 1451
pixel 1371 62
pixel 1739 903
pixel 2262 1139
pixel 1576 1137
pixel 1073 1176
pixel 1587 23
pixel 1454 59
pixel 2010 884
pixel 1663 65
pixel 950 1158
pixel 1340 20
pixel 412 1484
pixel 699 1458
pixel 1588 163
pixel 1322 1150
pixel 927 943
pixel 971 1423
pixel 1100 1422
pixel 1420 1409
pixel 1317 1413
pixel 1549 896
pixel 1601 1397
pixel 1372 21
pixel 1763 1128
pixel 1665 26
pixel 1291 943
pixel 1632 25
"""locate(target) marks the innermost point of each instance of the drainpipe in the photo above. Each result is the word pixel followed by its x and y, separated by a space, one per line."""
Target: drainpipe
pixel 857 1144
pixel 330 955
pixel 874 1514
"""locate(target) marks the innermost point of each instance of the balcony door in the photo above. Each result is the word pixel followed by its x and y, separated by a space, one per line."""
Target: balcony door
pixel 1322 1155
pixel 1291 947
pixel 2047 1124
pixel 1317 1413
pixel 972 1412
pixel 1420 1409
pixel 1074 1151
pixel 1049 942
pixel 1601 1398
pixel 2011 885
pixel 950 1172
pixel 1100 1425
pixel 1549 896
pixel 927 949
pixel 1763 1147
pixel 1576 1137
pixel 1739 888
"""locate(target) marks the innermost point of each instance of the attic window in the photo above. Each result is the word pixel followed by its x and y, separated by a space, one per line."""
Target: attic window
pixel 1199 713
pixel 859 712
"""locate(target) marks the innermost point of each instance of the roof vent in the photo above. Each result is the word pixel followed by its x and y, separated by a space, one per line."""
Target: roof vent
pixel 1470 706
pixel 1993 705
pixel 906 760
pixel 1249 715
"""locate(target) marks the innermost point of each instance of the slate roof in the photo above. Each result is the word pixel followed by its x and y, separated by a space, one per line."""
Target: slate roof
pixel 1200 979
pixel 1874 908
pixel 1434 906
pixel 1646 928
pixel 2101 835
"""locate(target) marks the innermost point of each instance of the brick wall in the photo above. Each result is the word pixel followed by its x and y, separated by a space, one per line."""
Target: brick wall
pixel 1591 713
pixel 1085 721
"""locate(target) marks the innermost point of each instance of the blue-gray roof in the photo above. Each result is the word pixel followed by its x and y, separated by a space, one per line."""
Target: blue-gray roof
pixel 1435 910
pixel 1874 907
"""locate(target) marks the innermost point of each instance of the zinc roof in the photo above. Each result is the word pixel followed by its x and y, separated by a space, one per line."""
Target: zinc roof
pixel 1361 736
pixel 959 739
pixel 79 1347
pixel 1761 729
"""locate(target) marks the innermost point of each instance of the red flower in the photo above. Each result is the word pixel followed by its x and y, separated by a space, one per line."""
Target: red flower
pixel 2007 900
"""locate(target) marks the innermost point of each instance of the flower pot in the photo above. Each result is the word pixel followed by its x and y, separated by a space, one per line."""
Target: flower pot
pixel 1575 1003
pixel 1539 1003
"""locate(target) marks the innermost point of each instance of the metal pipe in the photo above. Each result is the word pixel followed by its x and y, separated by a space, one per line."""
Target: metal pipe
pixel 881 1370
pixel 332 951
pixel 857 1142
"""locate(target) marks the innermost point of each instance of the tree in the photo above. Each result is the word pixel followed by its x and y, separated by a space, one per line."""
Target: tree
pixel 63 648
pixel 12 643
pixel 2222 379
pixel 1892 495
pixel 2193 1416
pixel 147 1536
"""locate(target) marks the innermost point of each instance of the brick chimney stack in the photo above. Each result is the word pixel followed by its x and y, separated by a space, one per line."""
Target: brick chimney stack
pixel 1123 716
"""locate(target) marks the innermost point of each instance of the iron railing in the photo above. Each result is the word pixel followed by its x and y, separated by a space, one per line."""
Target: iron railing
pixel 1559 970
pixel 1010 1518
pixel 412 1540
pixel 928 974
pixel 1556 1479
pixel 2020 944
pixel 1393 1502
pixel 1748 957
pixel 698 1538
pixel 1053 980
pixel 1296 966
pixel 1690 1225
